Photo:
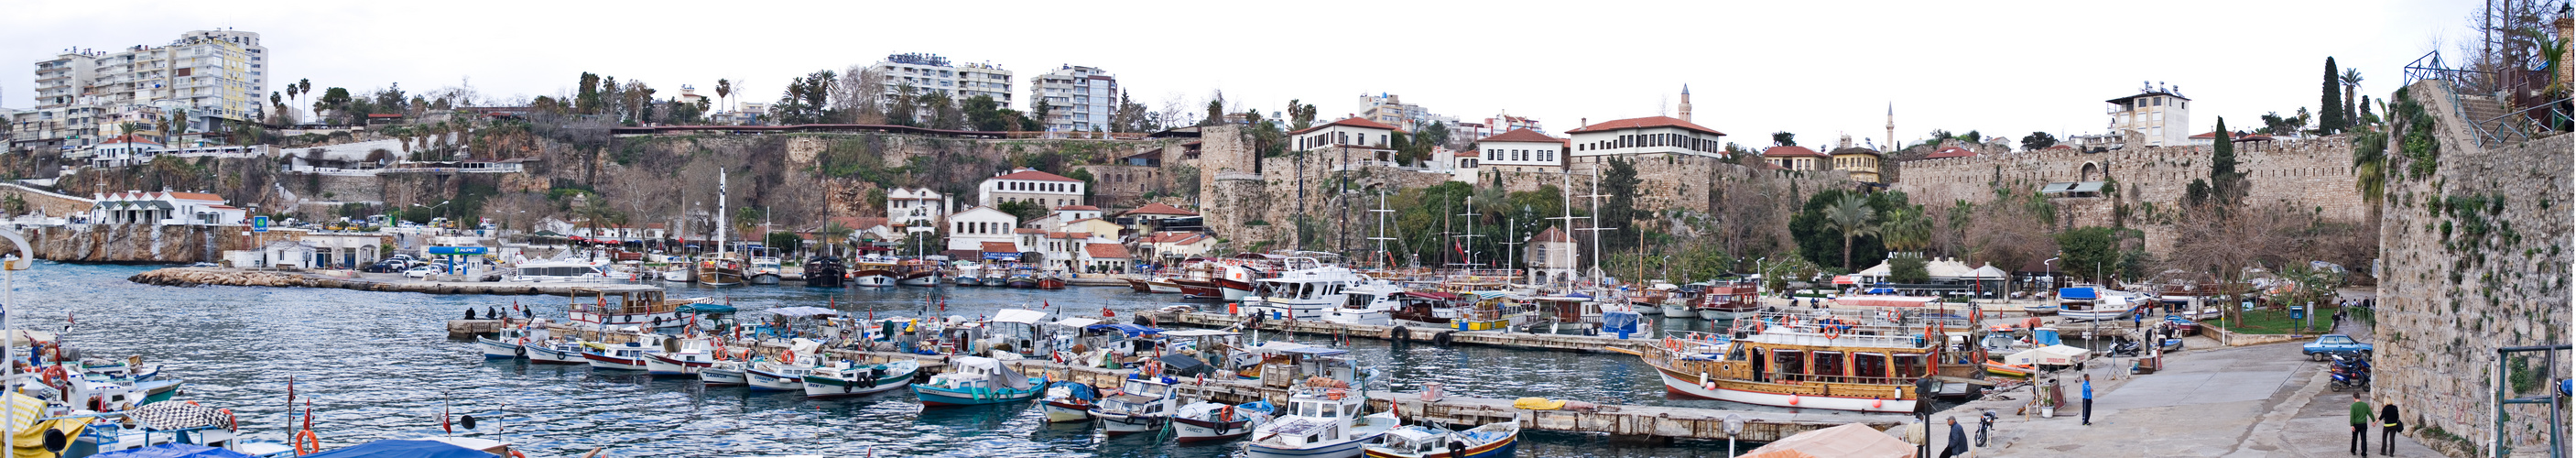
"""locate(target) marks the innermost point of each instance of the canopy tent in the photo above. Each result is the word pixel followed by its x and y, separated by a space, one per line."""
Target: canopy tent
pixel 705 308
pixel 402 449
pixel 2079 293
pixel 803 311
pixel 1989 272
pixel 2054 355
pixel 1077 322
pixel 1853 440
pixel 1021 316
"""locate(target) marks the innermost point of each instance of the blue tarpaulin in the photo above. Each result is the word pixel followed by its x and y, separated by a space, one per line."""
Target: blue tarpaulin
pixel 1621 323
pixel 2075 293
pixel 1131 330
pixel 1078 390
pixel 402 449
pixel 176 451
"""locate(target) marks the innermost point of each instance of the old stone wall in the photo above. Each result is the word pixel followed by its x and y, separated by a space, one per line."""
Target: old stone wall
pixel 50 203
pixel 2474 257
pixel 141 243
pixel 2315 174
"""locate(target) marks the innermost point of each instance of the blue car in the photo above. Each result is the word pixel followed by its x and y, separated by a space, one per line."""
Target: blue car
pixel 2333 344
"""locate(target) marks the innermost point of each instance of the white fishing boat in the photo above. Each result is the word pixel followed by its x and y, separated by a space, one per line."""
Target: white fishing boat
pixel 1320 422
pixel 691 356
pixel 765 270
pixel 1371 301
pixel 1068 402
pixel 1142 404
pixel 2084 303
pixel 507 344
pixel 557 351
pixel 843 378
pixel 1304 295
pixel 627 356
pixel 680 274
pixel 1209 421
pixel 787 373
pixel 1489 441
pixel 725 373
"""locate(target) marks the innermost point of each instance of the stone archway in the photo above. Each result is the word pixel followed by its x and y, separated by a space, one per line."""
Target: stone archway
pixel 2090 170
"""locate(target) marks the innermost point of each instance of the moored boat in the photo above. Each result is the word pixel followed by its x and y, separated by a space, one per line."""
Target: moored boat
pixel 764 271
pixel 872 272
pixel 1495 440
pixel 976 380
pixel 507 344
pixel 557 352
pixel 1051 280
pixel 1209 421
pixel 627 356
pixel 1142 404
pixel 787 373
pixel 1321 421
pixel 725 373
pixel 846 379
pixel 691 356
pixel 1022 278
pixel 1830 360
pixel 1068 402
pixel 1728 301
pixel 915 272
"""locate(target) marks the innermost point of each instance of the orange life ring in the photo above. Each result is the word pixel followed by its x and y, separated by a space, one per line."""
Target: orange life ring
pixel 788 356
pixel 1874 403
pixel 516 454
pixel 307 443
pixel 1225 414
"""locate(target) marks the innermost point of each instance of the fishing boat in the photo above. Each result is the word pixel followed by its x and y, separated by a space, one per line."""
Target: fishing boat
pixel 1371 301
pixel 1068 402
pixel 915 272
pixel 627 356
pixel 873 272
pixel 764 271
pixel 996 276
pixel 969 274
pixel 1728 301
pixel 725 373
pixel 976 380
pixel 1051 279
pixel 509 343
pixel 1303 295
pixel 1022 277
pixel 721 270
pixel 596 308
pixel 691 356
pixel 1208 421
pixel 1321 421
pixel 1427 307
pixel 787 373
pixel 1810 359
pixel 1142 404
pixel 680 273
pixel 846 379
pixel 1495 440
pixel 557 352
pixel 2086 303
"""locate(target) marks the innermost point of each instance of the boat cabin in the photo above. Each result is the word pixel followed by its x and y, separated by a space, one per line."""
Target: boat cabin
pixel 625 307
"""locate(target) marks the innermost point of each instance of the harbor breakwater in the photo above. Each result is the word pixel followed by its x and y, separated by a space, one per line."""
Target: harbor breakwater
pixel 226 276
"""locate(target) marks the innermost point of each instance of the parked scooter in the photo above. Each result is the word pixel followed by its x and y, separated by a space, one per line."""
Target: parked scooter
pixel 2349 372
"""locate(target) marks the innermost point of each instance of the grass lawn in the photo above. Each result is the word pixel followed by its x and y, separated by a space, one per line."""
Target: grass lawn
pixel 2261 321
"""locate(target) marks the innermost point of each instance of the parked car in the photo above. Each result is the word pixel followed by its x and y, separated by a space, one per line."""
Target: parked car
pixel 2332 344
pixel 420 272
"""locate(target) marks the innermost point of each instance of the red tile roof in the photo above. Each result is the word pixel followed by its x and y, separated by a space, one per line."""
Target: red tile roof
pixel 1466 154
pixel 130 139
pixel 1791 151
pixel 1034 175
pixel 1068 235
pixel 1078 208
pixel 1550 235
pixel 1105 250
pixel 1951 152
pixel 1353 122
pixel 1159 209
pixel 1028 231
pixel 1641 123
pixel 1000 247
pixel 1520 135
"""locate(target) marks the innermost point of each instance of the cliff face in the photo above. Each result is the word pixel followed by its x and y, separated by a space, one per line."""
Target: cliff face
pixel 134 243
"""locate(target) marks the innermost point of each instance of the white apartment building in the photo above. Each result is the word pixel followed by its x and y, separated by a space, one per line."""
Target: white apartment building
pixel 1521 150
pixel 1648 135
pixel 2163 116
pixel 969 230
pixel 208 73
pixel 1355 132
pixel 1029 185
pixel 1078 99
pixel 928 73
pixel 123 151
pixel 916 209
pixel 1391 110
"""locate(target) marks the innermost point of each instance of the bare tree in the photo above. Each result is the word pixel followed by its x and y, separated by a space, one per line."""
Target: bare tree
pixel 860 95
pixel 1176 109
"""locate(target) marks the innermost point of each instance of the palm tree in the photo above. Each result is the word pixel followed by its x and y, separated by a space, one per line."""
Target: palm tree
pixel 1853 217
pixel 724 88
pixel 1907 230
pixel 2351 83
pixel 833 233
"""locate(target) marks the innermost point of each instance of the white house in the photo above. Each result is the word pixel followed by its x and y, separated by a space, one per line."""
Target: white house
pixel 1648 135
pixel 916 209
pixel 1521 150
pixel 1029 185
pixel 1176 245
pixel 1552 257
pixel 285 254
pixel 123 150
pixel 1794 157
pixel 1071 213
pixel 1354 132
pixel 1107 258
pixel 970 229
pixel 164 208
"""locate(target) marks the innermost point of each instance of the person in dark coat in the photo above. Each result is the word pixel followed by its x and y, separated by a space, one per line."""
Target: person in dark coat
pixel 2388 429
pixel 1958 440
pixel 469 313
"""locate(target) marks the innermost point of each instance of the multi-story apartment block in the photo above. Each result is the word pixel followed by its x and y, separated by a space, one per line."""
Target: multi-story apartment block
pixel 2163 116
pixel 220 74
pixel 916 209
pixel 1029 185
pixel 928 73
pixel 1078 99
pixel 1391 110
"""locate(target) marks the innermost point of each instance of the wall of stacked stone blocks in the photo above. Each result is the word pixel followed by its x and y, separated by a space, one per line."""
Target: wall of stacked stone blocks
pixel 2313 174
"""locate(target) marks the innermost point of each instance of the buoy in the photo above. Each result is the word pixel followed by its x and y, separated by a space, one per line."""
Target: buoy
pixel 1793 399
pixel 1874 403
pixel 1711 386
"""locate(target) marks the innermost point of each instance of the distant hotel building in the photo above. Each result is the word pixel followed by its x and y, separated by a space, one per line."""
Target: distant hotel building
pixel 928 73
pixel 209 73
pixel 1079 99
pixel 2163 116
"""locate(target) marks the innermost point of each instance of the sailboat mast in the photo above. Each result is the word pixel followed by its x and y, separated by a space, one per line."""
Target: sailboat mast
pixel 724 245
pixel 1384 260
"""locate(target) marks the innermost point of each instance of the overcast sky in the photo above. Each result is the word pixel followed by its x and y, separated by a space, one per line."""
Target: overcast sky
pixel 1813 68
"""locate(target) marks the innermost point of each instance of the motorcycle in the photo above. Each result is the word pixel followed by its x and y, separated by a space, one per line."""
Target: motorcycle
pixel 1985 422
pixel 2349 372
pixel 2124 348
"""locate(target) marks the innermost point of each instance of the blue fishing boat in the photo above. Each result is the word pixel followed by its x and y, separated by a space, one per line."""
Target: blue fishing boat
pixel 975 380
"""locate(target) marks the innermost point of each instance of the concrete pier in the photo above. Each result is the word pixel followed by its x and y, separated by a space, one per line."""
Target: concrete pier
pixel 1621 420
pixel 223 276
pixel 1522 340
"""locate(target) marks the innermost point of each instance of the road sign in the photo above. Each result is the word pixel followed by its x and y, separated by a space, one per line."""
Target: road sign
pixel 459 250
pixel 259 224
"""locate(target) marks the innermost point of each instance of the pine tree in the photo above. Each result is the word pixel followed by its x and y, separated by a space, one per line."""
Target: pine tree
pixel 2329 119
pixel 2225 185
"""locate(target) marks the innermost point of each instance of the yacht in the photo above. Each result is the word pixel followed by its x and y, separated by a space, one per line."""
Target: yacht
pixel 1305 294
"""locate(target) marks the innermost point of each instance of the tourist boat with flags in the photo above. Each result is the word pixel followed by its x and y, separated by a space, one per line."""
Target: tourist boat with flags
pixel 609 308
pixel 1835 360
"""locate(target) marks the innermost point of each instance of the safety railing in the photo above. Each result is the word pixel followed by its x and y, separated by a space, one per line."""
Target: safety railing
pixel 2537 121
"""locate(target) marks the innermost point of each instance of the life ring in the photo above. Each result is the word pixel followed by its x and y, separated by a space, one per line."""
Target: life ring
pixel 231 423
pixel 1334 394
pixel 1225 414
pixel 307 443
pixel 516 454
pixel 788 356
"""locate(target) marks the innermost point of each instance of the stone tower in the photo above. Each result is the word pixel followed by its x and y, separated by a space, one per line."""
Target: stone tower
pixel 1891 128
pixel 1686 102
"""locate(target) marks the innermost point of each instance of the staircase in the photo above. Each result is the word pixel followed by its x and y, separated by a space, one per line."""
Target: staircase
pixel 2483 111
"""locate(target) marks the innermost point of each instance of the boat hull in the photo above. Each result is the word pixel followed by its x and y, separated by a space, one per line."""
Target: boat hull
pixel 934 396
pixel 921 280
pixel 1498 449
pixel 2093 315
pixel 768 381
pixel 1720 314
pixel 543 355
pixel 719 278
pixel 872 279
pixel 724 377
pixel 498 349
pixel 763 279
pixel 825 386
pixel 1674 310
pixel 967 280
pixel 599 361
pixel 1192 430
pixel 1347 448
pixel 1120 425
pixel 2040 309
pixel 1687 387
pixel 1367 317
pixel 1050 283
pixel 655 364
pixel 1066 412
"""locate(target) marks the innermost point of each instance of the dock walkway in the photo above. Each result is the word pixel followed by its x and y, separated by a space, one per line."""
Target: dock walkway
pixel 1623 420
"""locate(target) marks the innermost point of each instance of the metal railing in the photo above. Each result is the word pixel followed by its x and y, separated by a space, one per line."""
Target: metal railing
pixel 2528 123
pixel 2430 67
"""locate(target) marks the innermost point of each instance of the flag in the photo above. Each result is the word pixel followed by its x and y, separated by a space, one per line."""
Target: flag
pixel 1105 312
pixel 442 421
pixel 308 415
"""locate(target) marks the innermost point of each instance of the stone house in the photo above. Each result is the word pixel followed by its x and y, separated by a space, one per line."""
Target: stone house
pixel 1552 257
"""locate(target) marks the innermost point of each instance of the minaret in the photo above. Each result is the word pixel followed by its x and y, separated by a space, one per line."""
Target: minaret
pixel 1891 127
pixel 1686 102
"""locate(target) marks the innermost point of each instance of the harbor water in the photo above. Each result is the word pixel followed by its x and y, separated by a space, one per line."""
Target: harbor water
pixel 378 365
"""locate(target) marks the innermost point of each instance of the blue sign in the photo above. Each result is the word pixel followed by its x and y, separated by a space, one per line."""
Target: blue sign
pixel 259 224
pixel 459 250
pixel 1002 256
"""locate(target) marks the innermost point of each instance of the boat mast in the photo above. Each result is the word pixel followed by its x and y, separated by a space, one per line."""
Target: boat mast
pixel 1384 262
pixel 1470 235
pixel 1564 181
pixel 1596 229
pixel 724 245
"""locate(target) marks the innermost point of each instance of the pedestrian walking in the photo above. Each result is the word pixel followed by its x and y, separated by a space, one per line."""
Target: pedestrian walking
pixel 2088 399
pixel 1958 440
pixel 2360 426
pixel 2388 429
